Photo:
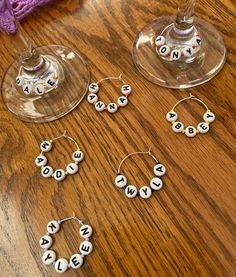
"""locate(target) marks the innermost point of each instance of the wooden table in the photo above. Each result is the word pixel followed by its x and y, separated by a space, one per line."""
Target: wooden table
pixel 186 229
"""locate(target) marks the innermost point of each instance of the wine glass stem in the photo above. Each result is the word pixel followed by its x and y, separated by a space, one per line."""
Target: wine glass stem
pixel 184 19
pixel 27 55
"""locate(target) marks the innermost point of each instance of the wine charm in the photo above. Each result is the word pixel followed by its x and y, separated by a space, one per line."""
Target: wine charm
pixel 190 131
pixel 59 174
pixel 144 192
pixel 77 259
pixel 111 107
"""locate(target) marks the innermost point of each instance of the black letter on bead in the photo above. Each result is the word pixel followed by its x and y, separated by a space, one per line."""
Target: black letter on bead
pixel 46 170
pixel 144 190
pixel 26 89
pixel 85 231
pixel 75 261
pixel 163 49
pixel 189 51
pixel 198 41
pixel 203 126
pixel 190 130
pixel 91 97
pixel 130 191
pixel 77 156
pixel 52 226
pixel 172 115
pixel 51 82
pixel 45 241
pixel 18 81
pixel 48 257
pixel 58 173
pixel 39 91
pixel 122 99
pixel 159 168
pixel 126 87
pixel 85 248
pixel 58 266
pixel 176 55
pixel 209 115
pixel 93 86
pixel 178 126
pixel 99 105
pixel 44 145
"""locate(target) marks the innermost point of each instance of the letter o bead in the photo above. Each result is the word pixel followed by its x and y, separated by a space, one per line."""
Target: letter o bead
pixel 164 50
pixel 59 174
pixel 47 171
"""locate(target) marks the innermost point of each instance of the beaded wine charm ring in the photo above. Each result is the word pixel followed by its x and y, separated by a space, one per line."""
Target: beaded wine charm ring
pixel 173 53
pixel 59 174
pixel 146 191
pixel 190 131
pixel 111 107
pixel 76 260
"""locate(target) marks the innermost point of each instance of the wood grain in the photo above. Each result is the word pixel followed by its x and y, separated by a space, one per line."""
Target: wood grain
pixel 186 229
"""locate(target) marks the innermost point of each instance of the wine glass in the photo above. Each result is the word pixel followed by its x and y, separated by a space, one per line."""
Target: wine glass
pixel 155 45
pixel 43 83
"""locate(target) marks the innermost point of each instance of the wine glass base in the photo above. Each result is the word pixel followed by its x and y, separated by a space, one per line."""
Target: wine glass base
pixel 176 74
pixel 73 80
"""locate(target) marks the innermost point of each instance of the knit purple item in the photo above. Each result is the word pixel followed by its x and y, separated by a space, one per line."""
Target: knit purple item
pixel 19 8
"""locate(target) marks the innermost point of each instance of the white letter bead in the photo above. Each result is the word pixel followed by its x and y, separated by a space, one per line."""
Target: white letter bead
pixel 131 191
pixel 76 261
pixel 85 231
pixel 94 88
pixel 159 170
pixel 188 51
pixel 19 81
pixel 209 117
pixel 156 183
pixel 78 156
pixel 100 106
pixel 190 131
pixel 27 89
pixel 160 40
pixel 175 55
pixel 126 89
pixel 50 82
pixel 178 127
pixel 145 192
pixel 46 146
pixel 47 171
pixel 171 116
pixel 59 175
pixel 203 127
pixel 164 50
pixel 122 101
pixel 112 107
pixel 41 160
pixel 49 257
pixel 45 242
pixel 196 41
pixel 53 227
pixel 72 168
pixel 61 265
pixel 120 181
pixel 39 89
pixel 86 247
pixel 92 98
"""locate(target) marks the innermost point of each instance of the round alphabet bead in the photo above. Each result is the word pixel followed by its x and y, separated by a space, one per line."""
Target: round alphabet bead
pixel 131 191
pixel 47 171
pixel 122 101
pixel 190 131
pixel 188 51
pixel 171 116
pixel 76 261
pixel 175 55
pixel 78 156
pixel 93 88
pixel 145 192
pixel 112 107
pixel 27 89
pixel 86 247
pixel 49 257
pixel 126 89
pixel 61 265
pixel 41 160
pixel 46 146
pixel 39 89
pixel 160 40
pixel 196 41
pixel 203 127
pixel 164 50
pixel 92 98
pixel 177 127
pixel 19 81
pixel 120 181
pixel 50 82
pixel 72 168
pixel 156 183
pixel 100 106
pixel 159 170
pixel 209 116
pixel 53 227
pixel 85 231
pixel 59 174
pixel 45 241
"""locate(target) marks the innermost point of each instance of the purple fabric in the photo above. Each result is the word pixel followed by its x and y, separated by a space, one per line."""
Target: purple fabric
pixel 19 8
